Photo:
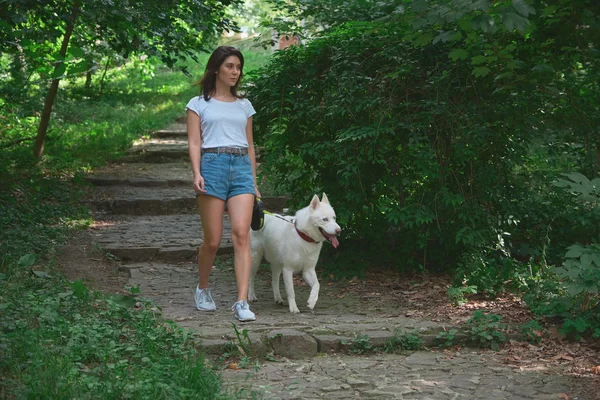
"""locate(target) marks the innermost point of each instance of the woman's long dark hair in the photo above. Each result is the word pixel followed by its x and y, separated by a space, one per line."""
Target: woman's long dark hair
pixel 216 59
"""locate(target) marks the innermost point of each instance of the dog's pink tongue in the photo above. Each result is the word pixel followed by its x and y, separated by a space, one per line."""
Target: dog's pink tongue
pixel 334 241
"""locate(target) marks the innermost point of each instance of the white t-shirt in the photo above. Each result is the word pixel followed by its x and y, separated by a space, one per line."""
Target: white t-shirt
pixel 223 124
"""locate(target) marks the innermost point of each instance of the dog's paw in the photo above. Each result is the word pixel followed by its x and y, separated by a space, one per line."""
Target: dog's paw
pixel 252 297
pixel 311 303
pixel 294 310
pixel 279 301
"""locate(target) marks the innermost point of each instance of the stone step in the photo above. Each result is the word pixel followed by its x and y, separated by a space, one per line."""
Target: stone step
pixel 167 238
pixel 156 198
pixel 121 199
pixel 332 327
pixel 143 174
pixel 157 151
pixel 170 133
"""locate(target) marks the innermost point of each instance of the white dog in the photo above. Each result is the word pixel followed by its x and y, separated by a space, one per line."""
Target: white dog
pixel 292 245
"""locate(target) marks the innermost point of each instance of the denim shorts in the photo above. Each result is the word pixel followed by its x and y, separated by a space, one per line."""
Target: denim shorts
pixel 227 175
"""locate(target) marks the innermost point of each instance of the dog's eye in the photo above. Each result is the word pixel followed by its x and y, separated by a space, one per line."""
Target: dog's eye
pixel 325 219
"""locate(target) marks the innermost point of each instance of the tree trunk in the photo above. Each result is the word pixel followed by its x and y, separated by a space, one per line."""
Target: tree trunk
pixel 38 148
pixel 88 75
pixel 597 158
pixel 104 74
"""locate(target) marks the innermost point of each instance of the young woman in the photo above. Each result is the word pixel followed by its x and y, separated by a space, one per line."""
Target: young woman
pixel 219 127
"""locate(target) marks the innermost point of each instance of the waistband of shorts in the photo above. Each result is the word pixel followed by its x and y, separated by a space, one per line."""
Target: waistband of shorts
pixel 236 151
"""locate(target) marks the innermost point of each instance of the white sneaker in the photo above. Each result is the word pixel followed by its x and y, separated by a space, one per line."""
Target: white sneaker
pixel 242 311
pixel 204 300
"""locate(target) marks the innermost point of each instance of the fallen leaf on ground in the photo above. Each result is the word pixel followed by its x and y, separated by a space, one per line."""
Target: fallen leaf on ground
pixel 562 357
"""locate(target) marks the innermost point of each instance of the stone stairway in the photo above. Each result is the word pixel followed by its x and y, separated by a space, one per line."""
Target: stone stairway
pixel 145 206
pixel 146 216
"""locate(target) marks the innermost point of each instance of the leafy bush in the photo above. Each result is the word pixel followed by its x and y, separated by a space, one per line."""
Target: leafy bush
pixel 415 124
pixel 456 294
pixel 574 297
pixel 571 292
pixel 446 338
pixel 403 341
pixel 532 331
pixel 486 329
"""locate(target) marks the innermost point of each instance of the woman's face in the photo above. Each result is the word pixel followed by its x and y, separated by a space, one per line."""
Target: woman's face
pixel 230 70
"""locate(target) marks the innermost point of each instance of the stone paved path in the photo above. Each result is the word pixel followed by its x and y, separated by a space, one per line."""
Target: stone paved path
pixel 420 375
pixel 146 216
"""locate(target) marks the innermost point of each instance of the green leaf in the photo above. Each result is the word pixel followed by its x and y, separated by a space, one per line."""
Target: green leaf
pixel 513 21
pixel 59 70
pixel 478 60
pixel 447 37
pixel 125 301
pixel 482 5
pixel 483 23
pixel 574 288
pixel 543 68
pixel 76 52
pixel 41 274
pixel 80 290
pixel 424 39
pixel 507 74
pixel 458 54
pixel 586 260
pixel 523 8
pixel 78 68
pixel 481 71
pixel 26 261
pixel 575 251
pixel 578 178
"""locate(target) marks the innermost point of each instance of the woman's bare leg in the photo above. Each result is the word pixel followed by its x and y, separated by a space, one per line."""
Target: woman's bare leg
pixel 211 213
pixel 240 215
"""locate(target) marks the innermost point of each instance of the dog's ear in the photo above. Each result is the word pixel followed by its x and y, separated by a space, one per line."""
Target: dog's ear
pixel 314 203
pixel 324 199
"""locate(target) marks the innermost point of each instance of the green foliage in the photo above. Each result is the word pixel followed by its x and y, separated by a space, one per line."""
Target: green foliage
pixel 56 39
pixel 446 338
pixel 532 331
pixel 36 213
pixel 173 30
pixel 360 345
pixel 486 271
pixel 243 343
pixel 574 297
pixel 587 190
pixel 456 294
pixel 570 292
pixel 57 339
pixel 439 127
pixel 486 329
pixel 403 341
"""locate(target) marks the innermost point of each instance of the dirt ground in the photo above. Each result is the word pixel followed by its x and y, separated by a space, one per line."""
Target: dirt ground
pixel 81 259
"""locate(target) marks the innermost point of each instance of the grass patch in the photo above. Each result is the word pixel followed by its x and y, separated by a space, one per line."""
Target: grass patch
pixel 58 340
